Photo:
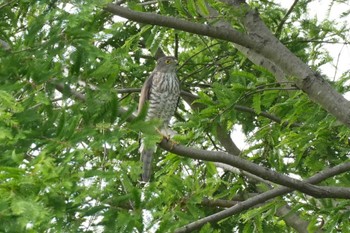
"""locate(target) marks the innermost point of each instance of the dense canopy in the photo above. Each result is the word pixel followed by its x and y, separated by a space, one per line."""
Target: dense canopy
pixel 263 129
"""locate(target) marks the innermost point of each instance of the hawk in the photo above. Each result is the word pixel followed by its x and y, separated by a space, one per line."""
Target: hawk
pixel 162 91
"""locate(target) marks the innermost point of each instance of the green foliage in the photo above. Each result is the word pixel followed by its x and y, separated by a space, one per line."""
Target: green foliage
pixel 71 164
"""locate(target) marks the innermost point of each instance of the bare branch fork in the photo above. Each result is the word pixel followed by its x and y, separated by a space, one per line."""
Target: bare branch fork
pixel 261 41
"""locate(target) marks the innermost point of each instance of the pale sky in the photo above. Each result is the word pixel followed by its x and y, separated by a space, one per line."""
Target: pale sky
pixel 340 52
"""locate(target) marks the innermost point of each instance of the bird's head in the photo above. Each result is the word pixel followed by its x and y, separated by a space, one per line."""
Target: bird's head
pixel 166 64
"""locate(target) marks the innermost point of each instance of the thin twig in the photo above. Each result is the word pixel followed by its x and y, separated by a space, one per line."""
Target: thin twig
pixel 279 27
pixel 7 3
pixel 269 89
pixel 316 41
pixel 337 63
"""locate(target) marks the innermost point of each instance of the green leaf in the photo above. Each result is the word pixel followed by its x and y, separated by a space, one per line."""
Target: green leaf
pixel 133 41
pixel 201 4
pixel 257 103
pixel 180 8
pixel 211 169
pixel 204 99
pixel 156 42
pixel 191 7
pixel 5 133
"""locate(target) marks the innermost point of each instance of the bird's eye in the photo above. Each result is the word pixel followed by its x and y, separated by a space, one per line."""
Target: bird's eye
pixel 167 61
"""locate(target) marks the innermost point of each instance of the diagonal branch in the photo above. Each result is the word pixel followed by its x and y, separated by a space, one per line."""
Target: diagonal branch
pixel 261 198
pixel 235 161
pixel 180 24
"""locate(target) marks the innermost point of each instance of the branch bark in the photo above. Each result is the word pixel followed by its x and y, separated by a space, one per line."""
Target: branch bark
pixel 294 220
pixel 267 174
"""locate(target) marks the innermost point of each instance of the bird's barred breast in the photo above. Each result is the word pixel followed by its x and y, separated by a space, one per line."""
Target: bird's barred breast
pixel 164 95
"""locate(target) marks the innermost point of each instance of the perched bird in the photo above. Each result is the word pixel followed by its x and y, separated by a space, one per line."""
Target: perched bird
pixel 162 91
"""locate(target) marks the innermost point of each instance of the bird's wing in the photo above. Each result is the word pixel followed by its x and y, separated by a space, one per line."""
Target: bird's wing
pixel 146 153
pixel 145 92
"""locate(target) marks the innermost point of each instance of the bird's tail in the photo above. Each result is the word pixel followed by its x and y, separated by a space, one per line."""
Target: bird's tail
pixel 146 159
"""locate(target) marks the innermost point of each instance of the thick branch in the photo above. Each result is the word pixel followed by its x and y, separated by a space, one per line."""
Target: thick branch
pixel 261 198
pixel 218 203
pixel 65 89
pixel 217 156
pixel 226 141
pixel 184 25
pixel 249 53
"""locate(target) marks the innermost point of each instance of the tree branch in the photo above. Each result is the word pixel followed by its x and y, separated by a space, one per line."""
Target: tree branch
pixel 180 24
pixel 225 139
pixel 300 225
pixel 290 217
pixel 267 115
pixel 218 203
pixel 223 157
pixel 65 89
pixel 253 56
pixel 240 172
pixel 261 198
